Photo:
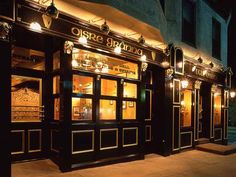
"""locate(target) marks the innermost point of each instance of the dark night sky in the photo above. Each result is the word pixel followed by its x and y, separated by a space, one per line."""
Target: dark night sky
pixel 224 7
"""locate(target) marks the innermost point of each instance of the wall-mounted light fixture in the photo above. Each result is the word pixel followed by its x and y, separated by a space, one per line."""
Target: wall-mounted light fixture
pixel 184 83
pixel 52 11
pixel 35 26
pixel 211 64
pixel 105 28
pixel 141 40
pixel 200 60
pixel 232 94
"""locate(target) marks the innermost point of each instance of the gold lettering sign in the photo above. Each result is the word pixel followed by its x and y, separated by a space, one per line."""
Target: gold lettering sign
pixel 89 35
pixel 199 72
pixel 109 42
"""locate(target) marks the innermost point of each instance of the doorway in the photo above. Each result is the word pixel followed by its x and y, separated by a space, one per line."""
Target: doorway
pixel 204 111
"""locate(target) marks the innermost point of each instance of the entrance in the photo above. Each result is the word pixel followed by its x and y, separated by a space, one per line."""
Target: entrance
pixel 204 117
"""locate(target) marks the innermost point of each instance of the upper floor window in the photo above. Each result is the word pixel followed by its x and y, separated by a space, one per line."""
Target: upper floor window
pixel 216 30
pixel 188 22
pixel 163 5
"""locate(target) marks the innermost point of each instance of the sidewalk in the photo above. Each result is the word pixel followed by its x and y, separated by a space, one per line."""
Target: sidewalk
pixel 191 163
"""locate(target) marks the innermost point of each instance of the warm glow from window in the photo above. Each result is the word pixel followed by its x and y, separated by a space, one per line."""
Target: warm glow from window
pixel 56 108
pixel 56 84
pixel 130 90
pixel 217 108
pixel 98 63
pixel 81 109
pixel 186 108
pixel 107 109
pixel 82 84
pixel 108 87
pixel 128 110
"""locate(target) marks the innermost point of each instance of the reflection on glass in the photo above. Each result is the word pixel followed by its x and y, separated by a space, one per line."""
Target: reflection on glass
pixel 56 60
pixel 56 108
pixel 81 109
pixel 186 108
pixel 130 90
pixel 26 99
pixel 28 58
pixel 128 110
pixel 94 62
pixel 108 87
pixel 82 84
pixel 56 84
pixel 217 108
pixel 107 109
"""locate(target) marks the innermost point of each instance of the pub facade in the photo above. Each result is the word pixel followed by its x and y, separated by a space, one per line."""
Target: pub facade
pixel 84 95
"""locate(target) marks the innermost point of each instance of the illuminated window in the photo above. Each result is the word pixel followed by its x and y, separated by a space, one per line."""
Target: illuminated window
pixel 56 84
pixel 98 63
pixel 130 90
pixel 56 60
pixel 26 99
pixel 186 108
pixel 217 108
pixel 28 58
pixel 108 87
pixel 128 110
pixel 107 109
pixel 56 108
pixel 82 84
pixel 81 109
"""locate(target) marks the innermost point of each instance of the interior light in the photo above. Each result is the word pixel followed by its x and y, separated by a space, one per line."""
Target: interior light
pixel 180 64
pixel 194 68
pixel 184 83
pixel 182 103
pixel 117 50
pixel 83 40
pixel 35 26
pixel 232 94
pixel 74 63
pixel 165 64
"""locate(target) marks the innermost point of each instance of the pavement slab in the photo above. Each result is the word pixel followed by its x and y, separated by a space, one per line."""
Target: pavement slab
pixel 191 163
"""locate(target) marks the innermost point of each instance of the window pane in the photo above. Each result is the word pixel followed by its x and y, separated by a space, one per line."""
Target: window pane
pixel 186 108
pixel 82 84
pixel 94 62
pixel 130 90
pixel 108 87
pixel 56 108
pixel 129 110
pixel 81 109
pixel 217 108
pixel 107 110
pixel 56 60
pixel 28 58
pixel 56 84
pixel 26 99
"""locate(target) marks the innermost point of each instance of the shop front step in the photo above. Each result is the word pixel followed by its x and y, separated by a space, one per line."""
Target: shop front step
pixel 217 148
pixel 203 141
